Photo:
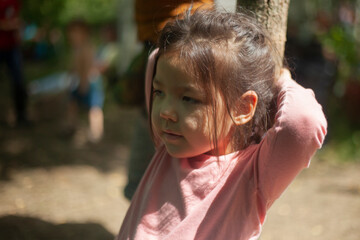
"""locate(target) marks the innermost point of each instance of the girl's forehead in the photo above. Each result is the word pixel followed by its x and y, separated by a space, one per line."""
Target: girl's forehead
pixel 180 74
pixel 172 70
pixel 172 61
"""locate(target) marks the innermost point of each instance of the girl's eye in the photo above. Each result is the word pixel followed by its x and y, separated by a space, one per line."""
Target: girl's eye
pixel 190 100
pixel 158 93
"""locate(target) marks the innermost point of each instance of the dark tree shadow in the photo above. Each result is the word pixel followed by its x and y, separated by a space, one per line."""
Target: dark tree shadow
pixel 27 228
pixel 44 145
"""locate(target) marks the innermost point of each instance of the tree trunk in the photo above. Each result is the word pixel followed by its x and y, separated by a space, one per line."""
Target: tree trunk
pixel 273 15
pixel 357 25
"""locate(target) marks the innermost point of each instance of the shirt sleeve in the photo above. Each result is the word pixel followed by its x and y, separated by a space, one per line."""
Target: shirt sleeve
pixel 150 71
pixel 299 130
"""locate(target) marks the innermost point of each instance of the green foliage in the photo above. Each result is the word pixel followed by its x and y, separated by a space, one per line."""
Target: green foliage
pixel 345 140
pixel 42 11
pixel 341 42
pixel 60 12
pixel 93 11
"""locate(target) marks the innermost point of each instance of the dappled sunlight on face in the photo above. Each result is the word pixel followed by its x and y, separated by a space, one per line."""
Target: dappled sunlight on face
pixel 181 114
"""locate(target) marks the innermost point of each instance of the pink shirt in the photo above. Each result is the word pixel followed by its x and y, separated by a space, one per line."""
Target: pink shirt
pixel 206 197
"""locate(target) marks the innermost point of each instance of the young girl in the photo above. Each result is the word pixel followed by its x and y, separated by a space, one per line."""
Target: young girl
pixel 215 173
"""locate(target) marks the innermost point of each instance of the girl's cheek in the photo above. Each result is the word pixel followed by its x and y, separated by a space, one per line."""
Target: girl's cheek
pixel 191 123
pixel 197 122
pixel 155 115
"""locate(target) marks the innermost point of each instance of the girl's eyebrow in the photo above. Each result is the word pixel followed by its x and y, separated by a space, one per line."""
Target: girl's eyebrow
pixel 189 89
pixel 186 88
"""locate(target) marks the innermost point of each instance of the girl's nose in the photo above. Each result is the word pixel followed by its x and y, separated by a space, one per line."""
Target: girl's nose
pixel 168 113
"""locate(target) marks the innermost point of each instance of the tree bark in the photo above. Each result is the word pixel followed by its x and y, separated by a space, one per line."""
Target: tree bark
pixel 357 25
pixel 273 15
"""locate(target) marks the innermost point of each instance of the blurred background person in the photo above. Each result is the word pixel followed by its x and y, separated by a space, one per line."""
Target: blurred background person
pixel 10 54
pixel 88 84
pixel 108 53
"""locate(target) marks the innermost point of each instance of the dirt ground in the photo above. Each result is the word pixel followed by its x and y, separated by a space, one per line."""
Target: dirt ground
pixel 57 188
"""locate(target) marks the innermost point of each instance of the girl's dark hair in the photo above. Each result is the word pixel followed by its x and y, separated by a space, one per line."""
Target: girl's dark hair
pixel 231 54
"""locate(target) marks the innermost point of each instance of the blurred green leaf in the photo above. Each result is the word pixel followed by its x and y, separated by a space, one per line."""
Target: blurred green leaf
pixel 60 12
pixel 42 11
pixel 340 41
pixel 93 11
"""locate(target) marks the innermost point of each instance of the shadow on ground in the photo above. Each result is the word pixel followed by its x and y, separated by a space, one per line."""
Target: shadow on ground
pixel 27 228
pixel 43 144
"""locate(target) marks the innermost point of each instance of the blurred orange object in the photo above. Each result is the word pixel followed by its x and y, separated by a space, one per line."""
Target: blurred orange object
pixel 151 16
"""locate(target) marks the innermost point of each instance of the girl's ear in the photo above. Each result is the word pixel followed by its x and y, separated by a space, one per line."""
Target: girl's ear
pixel 245 109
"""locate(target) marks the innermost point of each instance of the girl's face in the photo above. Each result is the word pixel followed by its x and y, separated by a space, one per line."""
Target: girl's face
pixel 180 112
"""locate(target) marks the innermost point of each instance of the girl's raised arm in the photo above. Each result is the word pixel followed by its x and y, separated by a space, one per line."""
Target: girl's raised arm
pixel 299 130
pixel 150 68
pixel 149 75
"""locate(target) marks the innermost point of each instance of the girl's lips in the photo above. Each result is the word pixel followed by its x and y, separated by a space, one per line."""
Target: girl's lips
pixel 171 136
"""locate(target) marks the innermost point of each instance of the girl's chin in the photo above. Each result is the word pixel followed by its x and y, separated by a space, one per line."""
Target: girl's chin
pixel 181 154
pixel 182 149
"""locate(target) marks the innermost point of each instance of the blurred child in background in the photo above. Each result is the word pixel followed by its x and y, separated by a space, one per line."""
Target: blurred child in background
pixel 88 88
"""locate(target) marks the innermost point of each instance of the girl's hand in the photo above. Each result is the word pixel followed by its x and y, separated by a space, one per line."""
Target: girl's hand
pixel 285 76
